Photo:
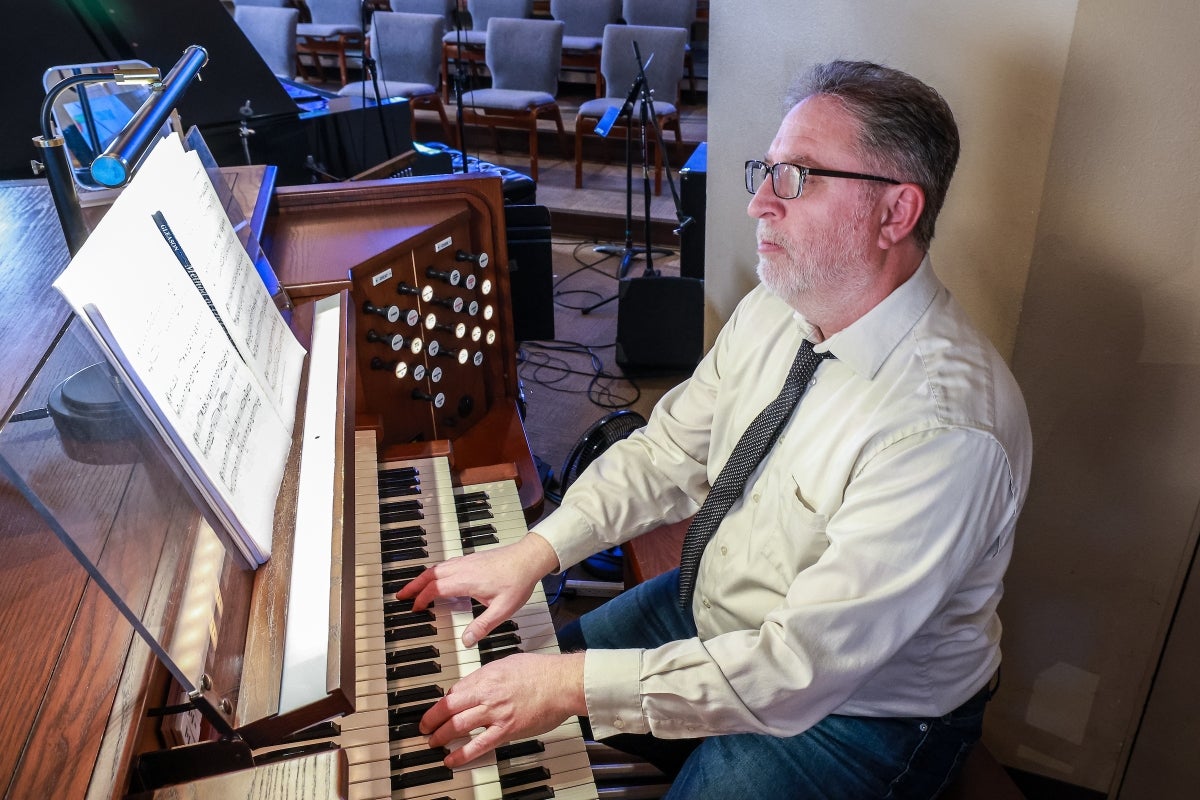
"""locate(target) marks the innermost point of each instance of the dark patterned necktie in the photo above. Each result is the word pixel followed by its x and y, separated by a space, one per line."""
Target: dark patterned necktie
pixel 749 451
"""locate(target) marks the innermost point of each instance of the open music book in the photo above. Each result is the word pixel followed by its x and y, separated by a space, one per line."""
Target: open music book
pixel 167 289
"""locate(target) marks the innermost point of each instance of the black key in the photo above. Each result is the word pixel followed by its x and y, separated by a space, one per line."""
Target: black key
pixel 389 543
pixel 397 472
pixel 402 505
pixel 408 618
pixel 404 554
pixel 388 517
pixel 421 777
pixel 477 530
pixel 402 696
pixel 413 670
pixel 391 587
pixel 517 749
pixel 480 540
pixel 415 758
pixel 411 654
pixel 400 490
pixel 470 516
pixel 398 733
pixel 494 641
pixel 406 714
pixel 488 656
pixel 392 534
pixel 397 606
pixel 524 776
pixel 407 632
pixel 532 793
pixel 470 497
pixel 402 573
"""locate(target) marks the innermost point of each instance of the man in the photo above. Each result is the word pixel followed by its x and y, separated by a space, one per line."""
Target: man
pixel 841 637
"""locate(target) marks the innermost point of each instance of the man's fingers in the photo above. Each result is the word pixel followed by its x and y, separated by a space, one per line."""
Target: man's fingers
pixel 410 589
pixel 482 625
pixel 485 742
pixel 457 725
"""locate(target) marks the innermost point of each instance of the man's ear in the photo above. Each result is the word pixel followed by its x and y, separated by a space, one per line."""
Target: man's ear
pixel 900 208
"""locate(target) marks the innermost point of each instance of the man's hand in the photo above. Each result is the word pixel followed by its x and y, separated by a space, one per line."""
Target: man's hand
pixel 502 579
pixel 513 698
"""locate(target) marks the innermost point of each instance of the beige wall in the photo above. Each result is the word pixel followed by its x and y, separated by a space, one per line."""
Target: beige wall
pixel 1070 236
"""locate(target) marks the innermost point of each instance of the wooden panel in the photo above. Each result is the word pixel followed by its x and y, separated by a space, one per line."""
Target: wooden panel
pixel 317 777
pixel 654 552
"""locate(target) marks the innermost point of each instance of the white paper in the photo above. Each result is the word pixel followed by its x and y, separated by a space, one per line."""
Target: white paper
pixel 221 387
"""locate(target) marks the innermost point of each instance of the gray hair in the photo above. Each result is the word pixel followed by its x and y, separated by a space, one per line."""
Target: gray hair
pixel 906 129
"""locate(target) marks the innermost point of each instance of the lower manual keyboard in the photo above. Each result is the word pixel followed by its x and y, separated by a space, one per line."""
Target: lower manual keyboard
pixel 410 516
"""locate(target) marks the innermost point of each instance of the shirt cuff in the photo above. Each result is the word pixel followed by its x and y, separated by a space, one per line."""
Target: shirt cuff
pixel 569 533
pixel 612 691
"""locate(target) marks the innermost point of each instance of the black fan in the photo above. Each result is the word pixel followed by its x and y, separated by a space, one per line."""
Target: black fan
pixel 600 435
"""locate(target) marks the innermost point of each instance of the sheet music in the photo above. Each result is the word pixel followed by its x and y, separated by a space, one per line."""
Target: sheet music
pixel 221 387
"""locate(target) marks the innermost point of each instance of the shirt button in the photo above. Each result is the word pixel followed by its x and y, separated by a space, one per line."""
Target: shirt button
pixel 724 550
pixel 619 723
pixel 705 603
pixel 755 497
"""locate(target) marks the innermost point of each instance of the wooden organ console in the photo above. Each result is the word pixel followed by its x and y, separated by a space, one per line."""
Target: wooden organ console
pixel 429 460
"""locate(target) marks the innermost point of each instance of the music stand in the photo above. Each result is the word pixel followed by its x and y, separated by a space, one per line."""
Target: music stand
pixel 649 120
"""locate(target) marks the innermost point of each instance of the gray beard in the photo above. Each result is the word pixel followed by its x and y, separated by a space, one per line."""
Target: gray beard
pixel 825 271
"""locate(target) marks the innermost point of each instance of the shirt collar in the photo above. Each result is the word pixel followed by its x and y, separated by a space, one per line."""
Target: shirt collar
pixel 867 342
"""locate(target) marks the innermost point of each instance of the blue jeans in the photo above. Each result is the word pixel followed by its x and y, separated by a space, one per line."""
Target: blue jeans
pixel 839 757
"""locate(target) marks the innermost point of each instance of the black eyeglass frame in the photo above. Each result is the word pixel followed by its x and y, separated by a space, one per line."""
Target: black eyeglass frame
pixel 804 173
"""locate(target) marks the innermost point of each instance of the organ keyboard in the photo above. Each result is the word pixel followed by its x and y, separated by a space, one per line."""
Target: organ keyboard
pixel 405 661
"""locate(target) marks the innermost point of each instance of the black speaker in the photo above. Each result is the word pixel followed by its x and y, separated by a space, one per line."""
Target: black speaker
pixel 530 271
pixel 693 178
pixel 660 323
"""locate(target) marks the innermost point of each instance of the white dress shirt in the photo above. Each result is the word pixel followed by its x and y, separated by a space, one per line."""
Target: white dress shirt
pixel 860 572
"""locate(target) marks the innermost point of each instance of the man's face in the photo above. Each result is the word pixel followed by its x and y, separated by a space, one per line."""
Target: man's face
pixel 821 242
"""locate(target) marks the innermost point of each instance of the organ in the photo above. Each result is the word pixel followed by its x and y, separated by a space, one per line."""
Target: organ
pixel 80 690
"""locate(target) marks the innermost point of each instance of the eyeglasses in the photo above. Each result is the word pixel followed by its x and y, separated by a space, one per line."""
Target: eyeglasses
pixel 787 180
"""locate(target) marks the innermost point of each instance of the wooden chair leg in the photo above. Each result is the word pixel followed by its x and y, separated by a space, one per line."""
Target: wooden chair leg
pixel 563 144
pixel 578 154
pixel 533 149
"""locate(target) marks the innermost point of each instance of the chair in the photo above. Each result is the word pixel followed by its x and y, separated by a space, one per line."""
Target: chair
pixel 620 69
pixel 583 35
pixel 272 32
pixel 474 39
pixel 447 8
pixel 524 57
pixel 666 14
pixel 406 49
pixel 336 30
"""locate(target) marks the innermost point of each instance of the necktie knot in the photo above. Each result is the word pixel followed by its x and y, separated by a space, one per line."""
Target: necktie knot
pixel 747 454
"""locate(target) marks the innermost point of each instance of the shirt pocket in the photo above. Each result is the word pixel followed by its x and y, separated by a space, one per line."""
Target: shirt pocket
pixel 797 537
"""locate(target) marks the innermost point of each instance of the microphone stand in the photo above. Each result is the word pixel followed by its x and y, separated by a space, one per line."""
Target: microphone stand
pixel 648 101
pixel 460 80
pixel 640 89
pixel 370 70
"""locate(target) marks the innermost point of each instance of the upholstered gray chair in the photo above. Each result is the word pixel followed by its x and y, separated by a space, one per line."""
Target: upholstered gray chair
pixel 469 44
pixel 335 30
pixel 583 35
pixel 524 57
pixel 272 32
pixel 406 48
pixel 666 14
pixel 620 68
pixel 444 7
